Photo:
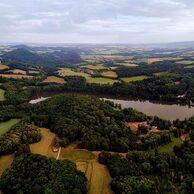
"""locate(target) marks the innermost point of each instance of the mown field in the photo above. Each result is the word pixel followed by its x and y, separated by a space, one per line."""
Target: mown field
pixel 135 78
pixel 3 67
pixel 6 126
pixel 109 74
pixel 54 79
pixel 95 67
pixel 2 94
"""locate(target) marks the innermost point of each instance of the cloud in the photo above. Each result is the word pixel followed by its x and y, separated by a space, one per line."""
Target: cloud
pixel 124 21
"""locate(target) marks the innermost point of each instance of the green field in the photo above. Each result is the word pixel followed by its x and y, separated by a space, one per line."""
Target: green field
pixel 2 95
pixel 6 126
pixel 98 80
pixel 169 147
pixel 135 78
pixel 164 73
pixel 69 72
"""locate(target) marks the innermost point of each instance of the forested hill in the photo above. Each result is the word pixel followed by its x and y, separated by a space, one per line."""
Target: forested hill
pixel 31 57
pixel 98 125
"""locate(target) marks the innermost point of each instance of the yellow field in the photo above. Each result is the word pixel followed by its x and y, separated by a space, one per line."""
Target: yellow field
pixel 5 162
pixel 152 60
pixel 14 76
pixel 18 71
pixel 129 64
pixel 135 78
pixel 95 67
pixel 54 79
pixel 44 146
pixel 3 67
pixel 110 74
pixel 185 62
pixel 189 67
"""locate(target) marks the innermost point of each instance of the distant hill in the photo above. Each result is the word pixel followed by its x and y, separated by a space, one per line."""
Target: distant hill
pixel 24 55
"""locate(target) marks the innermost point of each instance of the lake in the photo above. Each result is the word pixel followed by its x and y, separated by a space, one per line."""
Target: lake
pixel 165 111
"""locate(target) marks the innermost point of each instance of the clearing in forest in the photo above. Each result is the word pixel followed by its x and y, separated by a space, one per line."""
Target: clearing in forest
pixel 44 146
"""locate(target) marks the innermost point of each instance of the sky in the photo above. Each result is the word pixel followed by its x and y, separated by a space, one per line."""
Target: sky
pixel 96 21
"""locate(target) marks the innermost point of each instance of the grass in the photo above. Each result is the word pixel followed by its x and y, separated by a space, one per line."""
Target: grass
pixel 16 76
pixel 6 126
pixel 185 62
pixel 98 80
pixel 101 80
pixel 54 79
pixel 169 147
pixel 164 73
pixel 44 146
pixel 3 67
pixel 2 94
pixel 5 162
pixel 109 74
pixel 135 78
pixel 99 179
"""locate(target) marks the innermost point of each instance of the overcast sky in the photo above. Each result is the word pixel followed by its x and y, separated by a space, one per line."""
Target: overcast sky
pixel 96 21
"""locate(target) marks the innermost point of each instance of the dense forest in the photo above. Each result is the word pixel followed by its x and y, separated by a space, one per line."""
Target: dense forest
pixel 32 173
pixel 151 173
pixel 22 133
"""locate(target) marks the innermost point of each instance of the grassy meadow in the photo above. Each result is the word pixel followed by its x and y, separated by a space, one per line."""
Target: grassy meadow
pixel 2 94
pixel 6 126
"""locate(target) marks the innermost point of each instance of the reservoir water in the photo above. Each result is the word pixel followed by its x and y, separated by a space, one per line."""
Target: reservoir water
pixel 165 111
